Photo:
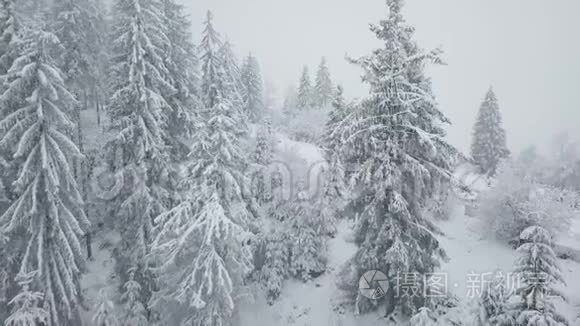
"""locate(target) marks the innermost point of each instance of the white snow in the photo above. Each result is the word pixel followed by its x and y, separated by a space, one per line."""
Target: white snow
pixel 470 253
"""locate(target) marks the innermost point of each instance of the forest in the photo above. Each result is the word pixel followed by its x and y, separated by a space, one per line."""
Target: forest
pixel 149 176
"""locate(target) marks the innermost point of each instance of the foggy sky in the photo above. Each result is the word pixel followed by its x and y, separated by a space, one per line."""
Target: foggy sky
pixel 529 50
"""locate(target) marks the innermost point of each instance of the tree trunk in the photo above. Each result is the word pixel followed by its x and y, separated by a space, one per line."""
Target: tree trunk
pixel 83 173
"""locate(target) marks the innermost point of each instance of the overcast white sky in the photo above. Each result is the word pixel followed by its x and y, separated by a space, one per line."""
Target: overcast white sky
pixel 529 50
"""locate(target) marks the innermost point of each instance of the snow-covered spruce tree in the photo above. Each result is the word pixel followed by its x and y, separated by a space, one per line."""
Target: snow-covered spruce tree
pixel 539 274
pixel 139 114
pixel 304 98
pixel 10 49
pixel 276 264
pixel 332 197
pixel 264 143
pixel 290 104
pixel 105 314
pixel 262 159
pixel 48 206
pixel 253 88
pixel 495 306
pixel 396 138
pixel 211 62
pixel 133 308
pixel 9 28
pixel 489 139
pixel 308 252
pixel 323 90
pixel 199 243
pixel 182 66
pixel 26 306
pixel 234 86
pixel 332 139
pixel 75 23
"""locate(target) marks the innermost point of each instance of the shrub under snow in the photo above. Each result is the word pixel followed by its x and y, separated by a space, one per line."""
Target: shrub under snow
pixel 516 202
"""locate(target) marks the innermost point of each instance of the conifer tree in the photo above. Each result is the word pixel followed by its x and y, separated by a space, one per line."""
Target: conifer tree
pixel 332 138
pixel 105 314
pixel 540 273
pixel 253 89
pixel 210 60
pixel 262 159
pixel 489 139
pixel 276 265
pixel 183 72
pixel 48 205
pixel 304 97
pixel 234 86
pixel 333 196
pixel 290 102
pixel 27 307
pixel 135 313
pixel 10 48
pixel 263 152
pixel 308 250
pixel 200 241
pixel 495 303
pixel 323 89
pixel 9 30
pixel 396 141
pixel 138 112
pixel 182 55
pixel 75 23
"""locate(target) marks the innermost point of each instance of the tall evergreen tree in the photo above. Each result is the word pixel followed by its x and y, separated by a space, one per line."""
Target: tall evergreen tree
pixel 9 27
pixel 333 196
pixel 211 62
pixel 182 65
pixel 262 159
pixel 304 99
pixel 105 314
pixel 26 306
pixel 276 264
pixel 540 274
pixel 10 49
pixel 200 240
pixel 323 88
pixel 139 116
pixel 332 138
pixel 489 139
pixel 495 303
pixel 308 250
pixel 134 310
pixel 396 139
pixel 48 206
pixel 253 89
pixel 233 74
pixel 290 102
pixel 75 23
